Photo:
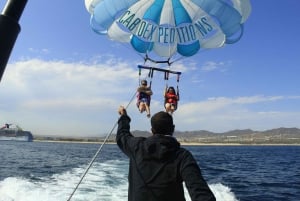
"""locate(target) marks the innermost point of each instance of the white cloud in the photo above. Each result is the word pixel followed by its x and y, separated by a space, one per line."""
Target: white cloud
pixel 213 66
pixel 45 89
pixel 64 98
pixel 39 51
pixel 221 114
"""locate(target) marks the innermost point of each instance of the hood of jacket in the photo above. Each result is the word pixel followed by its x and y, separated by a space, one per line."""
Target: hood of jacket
pixel 161 147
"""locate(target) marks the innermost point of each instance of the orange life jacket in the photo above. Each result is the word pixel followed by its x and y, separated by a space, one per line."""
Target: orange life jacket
pixel 171 98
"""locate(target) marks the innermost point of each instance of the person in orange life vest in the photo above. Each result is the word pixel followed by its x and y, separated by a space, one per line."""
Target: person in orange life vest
pixel 171 99
pixel 144 97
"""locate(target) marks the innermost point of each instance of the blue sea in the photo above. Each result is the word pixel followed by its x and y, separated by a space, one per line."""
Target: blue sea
pixel 49 171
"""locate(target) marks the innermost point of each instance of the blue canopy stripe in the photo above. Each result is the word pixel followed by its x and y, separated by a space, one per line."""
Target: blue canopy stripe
pixel 167 28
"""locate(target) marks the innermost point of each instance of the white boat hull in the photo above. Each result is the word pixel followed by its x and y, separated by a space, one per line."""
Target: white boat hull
pixel 16 138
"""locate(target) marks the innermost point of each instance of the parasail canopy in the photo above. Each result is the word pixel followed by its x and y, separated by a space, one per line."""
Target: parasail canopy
pixel 170 27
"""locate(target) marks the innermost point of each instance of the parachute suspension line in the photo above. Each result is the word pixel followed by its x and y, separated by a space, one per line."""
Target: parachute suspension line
pixel 140 73
pixel 152 69
pixel 166 78
pixel 167 75
pixel 98 151
pixel 150 75
pixel 147 58
pixel 178 78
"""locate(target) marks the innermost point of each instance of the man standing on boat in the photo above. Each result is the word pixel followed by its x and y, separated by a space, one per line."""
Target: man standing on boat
pixel 158 165
pixel 5 126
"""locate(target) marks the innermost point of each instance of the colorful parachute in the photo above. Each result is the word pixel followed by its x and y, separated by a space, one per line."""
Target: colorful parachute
pixel 170 27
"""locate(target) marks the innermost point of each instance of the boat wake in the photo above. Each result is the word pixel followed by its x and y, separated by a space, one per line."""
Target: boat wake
pixel 105 181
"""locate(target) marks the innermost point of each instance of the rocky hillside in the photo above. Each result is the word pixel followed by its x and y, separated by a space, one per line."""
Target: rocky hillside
pixel 278 135
pixel 247 136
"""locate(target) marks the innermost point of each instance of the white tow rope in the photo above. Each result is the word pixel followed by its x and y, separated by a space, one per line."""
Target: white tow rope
pixel 98 151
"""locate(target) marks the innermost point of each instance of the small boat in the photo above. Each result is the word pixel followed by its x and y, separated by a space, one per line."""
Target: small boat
pixel 12 132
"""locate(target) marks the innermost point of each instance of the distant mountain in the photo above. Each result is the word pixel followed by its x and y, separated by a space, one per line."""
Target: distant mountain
pixel 290 132
pixel 278 135
pixel 246 136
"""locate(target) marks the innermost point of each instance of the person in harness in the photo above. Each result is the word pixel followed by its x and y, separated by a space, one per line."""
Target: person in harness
pixel 171 99
pixel 144 97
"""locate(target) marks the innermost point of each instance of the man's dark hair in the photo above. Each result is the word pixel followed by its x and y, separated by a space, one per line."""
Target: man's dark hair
pixel 162 123
pixel 144 82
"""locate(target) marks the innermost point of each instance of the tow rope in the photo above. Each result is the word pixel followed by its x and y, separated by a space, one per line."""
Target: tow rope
pixel 98 151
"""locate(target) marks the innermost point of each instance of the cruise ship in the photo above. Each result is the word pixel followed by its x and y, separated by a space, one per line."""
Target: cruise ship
pixel 12 132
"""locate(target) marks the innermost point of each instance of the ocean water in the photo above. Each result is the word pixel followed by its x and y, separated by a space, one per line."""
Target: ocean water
pixel 44 171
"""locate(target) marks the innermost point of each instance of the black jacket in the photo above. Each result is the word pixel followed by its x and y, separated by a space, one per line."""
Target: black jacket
pixel 159 166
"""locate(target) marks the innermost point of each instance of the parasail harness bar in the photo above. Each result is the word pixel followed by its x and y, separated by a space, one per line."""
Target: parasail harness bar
pixel 147 58
pixel 152 69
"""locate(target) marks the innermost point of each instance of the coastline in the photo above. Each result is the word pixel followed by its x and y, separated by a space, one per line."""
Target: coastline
pixel 181 143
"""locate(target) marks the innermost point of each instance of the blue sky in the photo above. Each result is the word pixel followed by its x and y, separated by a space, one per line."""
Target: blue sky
pixel 63 79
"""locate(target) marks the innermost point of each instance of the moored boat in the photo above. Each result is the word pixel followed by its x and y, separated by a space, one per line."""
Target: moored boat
pixel 12 132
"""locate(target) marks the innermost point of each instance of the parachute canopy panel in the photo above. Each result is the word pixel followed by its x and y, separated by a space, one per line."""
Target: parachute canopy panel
pixel 169 27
